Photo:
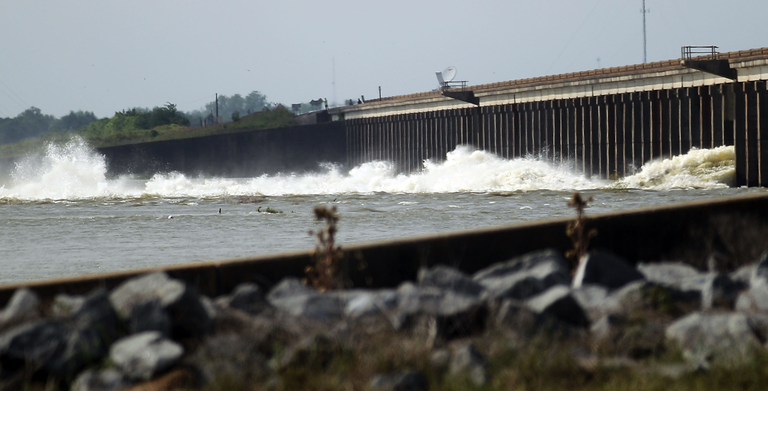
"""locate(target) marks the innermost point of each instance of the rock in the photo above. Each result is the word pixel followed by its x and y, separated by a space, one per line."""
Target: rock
pixel 688 284
pixel 102 380
pixel 756 297
pixel 371 303
pixel 440 314
pixel 182 304
pixel 93 328
pixel 513 315
pixel 558 302
pixel 209 306
pixel 725 292
pixel 449 279
pixel 229 361
pixel 62 347
pixel 289 287
pixel 313 306
pixel 143 355
pixel 247 297
pixel 524 277
pixel 595 301
pixel 23 306
pixel 33 345
pixel 601 268
pixel 150 316
pixel 66 305
pixel 297 299
pixel 466 361
pixel 723 337
pixel 409 380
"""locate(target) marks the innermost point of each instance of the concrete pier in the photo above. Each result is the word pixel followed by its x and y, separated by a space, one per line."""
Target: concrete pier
pixel 605 123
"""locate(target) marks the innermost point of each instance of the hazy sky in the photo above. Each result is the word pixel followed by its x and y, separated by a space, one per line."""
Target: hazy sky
pixel 105 56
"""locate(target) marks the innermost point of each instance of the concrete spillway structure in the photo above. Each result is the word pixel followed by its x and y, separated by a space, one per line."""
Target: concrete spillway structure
pixel 604 122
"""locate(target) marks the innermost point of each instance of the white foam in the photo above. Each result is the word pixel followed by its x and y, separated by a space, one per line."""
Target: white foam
pixel 74 171
pixel 697 169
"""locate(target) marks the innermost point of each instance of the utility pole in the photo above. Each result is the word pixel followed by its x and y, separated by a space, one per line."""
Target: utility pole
pixel 217 105
pixel 645 50
pixel 333 83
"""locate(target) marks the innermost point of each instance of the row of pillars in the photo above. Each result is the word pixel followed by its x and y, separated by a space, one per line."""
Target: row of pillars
pixel 604 136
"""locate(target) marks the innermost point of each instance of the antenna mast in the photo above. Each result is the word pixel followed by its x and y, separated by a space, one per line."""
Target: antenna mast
pixel 645 50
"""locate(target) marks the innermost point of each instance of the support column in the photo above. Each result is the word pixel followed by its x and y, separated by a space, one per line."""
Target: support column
pixel 739 135
pixel 751 119
pixel 762 132
pixel 705 114
pixel 696 137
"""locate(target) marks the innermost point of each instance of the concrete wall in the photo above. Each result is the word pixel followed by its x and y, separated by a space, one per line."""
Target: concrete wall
pixel 602 136
pixel 239 154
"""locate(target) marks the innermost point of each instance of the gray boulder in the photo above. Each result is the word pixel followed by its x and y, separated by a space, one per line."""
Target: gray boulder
pixel 596 301
pixel 150 316
pixel 368 303
pixel 101 380
pixel 313 306
pixel 514 316
pixel 439 314
pixel 408 380
pixel 688 284
pixel 449 279
pixel 247 297
pixel 32 346
pixel 66 305
pixel 756 297
pixel 90 332
pixel 62 347
pixel 182 303
pixel 525 276
pixel 602 268
pixel 142 356
pixel 229 361
pixel 557 302
pixel 289 287
pixel 23 306
pixel 724 337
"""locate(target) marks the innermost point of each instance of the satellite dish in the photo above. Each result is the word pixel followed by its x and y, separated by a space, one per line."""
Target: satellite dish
pixel 449 74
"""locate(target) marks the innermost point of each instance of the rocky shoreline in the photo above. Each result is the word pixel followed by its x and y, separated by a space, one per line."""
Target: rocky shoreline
pixel 522 323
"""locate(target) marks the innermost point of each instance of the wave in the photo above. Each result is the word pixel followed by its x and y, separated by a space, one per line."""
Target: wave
pixel 74 171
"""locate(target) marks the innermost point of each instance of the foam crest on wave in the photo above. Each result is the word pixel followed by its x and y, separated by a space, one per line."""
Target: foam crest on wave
pixel 697 169
pixel 74 171
pixel 68 171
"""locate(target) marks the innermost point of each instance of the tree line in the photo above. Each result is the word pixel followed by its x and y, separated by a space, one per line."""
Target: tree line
pixel 33 124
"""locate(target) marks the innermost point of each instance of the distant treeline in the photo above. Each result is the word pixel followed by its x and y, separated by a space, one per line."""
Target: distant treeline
pixel 32 123
pixel 230 107
pixel 133 123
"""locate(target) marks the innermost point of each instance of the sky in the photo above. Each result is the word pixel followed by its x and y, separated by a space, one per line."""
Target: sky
pixel 105 56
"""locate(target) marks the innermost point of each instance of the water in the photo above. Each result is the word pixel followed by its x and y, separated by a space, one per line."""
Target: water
pixel 61 216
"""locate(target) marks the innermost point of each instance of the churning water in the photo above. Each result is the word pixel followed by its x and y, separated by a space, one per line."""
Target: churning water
pixel 60 215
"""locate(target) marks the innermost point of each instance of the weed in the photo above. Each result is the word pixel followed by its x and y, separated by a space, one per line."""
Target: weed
pixel 269 210
pixel 576 230
pixel 326 273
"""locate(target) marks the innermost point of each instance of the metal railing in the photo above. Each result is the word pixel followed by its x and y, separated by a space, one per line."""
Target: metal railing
pixel 687 52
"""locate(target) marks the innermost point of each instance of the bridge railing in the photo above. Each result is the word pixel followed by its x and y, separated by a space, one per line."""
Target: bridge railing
pixel 688 52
